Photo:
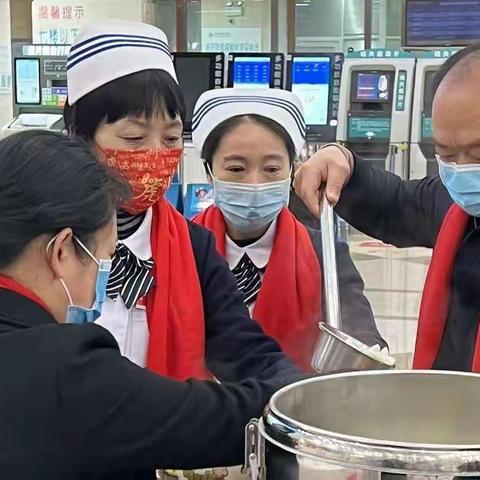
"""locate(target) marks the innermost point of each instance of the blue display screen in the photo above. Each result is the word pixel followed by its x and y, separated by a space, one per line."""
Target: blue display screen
pixel 251 72
pixel 372 87
pixel 442 22
pixel 311 84
pixel 27 80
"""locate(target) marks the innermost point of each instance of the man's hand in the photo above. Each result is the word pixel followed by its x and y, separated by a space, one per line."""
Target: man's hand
pixel 330 168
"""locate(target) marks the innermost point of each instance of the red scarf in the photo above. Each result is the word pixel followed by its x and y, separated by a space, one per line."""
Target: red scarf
pixel 174 305
pixel 288 306
pixel 437 292
pixel 7 283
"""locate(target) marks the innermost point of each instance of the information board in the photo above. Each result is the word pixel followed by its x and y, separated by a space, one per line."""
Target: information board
pixel 441 22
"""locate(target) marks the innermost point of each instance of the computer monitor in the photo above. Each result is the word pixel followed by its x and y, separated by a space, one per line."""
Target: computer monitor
pixel 259 70
pixel 429 23
pixel 197 73
pixel 27 81
pixel 372 86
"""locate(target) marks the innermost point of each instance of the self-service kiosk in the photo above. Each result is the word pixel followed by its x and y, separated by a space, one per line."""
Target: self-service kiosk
pixel 422 148
pixel 40 87
pixel 315 79
pixel 196 73
pixel 256 70
pixel 375 107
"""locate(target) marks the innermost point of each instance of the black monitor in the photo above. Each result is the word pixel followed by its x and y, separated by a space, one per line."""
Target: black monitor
pixel 197 73
pixel 315 79
pixel 372 86
pixel 256 70
pixel 428 93
pixel 27 81
pixel 430 23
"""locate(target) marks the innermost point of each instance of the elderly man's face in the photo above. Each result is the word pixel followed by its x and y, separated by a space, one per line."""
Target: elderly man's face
pixel 456 118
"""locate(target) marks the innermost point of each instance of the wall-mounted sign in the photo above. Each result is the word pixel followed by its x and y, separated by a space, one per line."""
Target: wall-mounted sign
pixel 232 39
pixel 58 22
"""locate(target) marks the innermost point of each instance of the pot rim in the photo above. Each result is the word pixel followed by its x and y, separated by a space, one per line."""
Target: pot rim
pixel 274 410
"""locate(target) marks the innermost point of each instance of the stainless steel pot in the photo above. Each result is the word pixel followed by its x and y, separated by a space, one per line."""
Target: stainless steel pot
pixel 368 425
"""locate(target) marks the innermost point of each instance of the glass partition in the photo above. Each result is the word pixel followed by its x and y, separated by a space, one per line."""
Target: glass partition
pixel 229 27
pixel 386 23
pixel 329 25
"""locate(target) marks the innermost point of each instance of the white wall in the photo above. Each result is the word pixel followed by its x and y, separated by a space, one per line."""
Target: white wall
pixel 255 15
pixel 6 111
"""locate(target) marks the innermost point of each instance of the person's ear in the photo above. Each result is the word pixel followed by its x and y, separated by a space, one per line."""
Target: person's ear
pixel 208 171
pixel 61 251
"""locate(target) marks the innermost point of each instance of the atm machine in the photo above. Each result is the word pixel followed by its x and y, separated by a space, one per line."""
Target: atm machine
pixel 422 148
pixel 40 87
pixel 196 72
pixel 375 107
pixel 256 70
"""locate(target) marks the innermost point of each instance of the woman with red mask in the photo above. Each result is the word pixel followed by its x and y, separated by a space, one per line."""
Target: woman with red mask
pixel 172 305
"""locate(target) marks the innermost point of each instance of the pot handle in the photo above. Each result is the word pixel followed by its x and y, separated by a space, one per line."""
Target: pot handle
pixel 253 466
pixel 332 314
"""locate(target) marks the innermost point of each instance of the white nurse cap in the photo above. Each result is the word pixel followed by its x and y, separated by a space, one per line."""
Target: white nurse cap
pixel 215 106
pixel 105 51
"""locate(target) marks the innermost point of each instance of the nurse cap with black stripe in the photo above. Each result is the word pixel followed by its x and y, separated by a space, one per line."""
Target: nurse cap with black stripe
pixel 105 51
pixel 215 106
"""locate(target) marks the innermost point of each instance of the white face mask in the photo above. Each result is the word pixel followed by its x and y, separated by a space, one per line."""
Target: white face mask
pixel 251 207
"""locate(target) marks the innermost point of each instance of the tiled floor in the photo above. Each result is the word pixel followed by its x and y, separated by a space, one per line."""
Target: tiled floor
pixel 394 280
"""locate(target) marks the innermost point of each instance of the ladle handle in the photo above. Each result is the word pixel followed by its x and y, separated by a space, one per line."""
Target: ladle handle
pixel 332 315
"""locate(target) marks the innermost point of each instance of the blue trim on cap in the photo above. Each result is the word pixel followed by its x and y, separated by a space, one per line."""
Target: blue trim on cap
pixel 95 52
pixel 289 107
pixel 110 35
pixel 71 57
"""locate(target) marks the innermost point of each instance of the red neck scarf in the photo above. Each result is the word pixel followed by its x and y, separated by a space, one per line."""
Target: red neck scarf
pixel 437 292
pixel 288 306
pixel 7 283
pixel 175 304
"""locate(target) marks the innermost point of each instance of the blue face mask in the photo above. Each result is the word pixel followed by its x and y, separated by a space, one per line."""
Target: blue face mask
pixel 251 207
pixel 77 314
pixel 463 184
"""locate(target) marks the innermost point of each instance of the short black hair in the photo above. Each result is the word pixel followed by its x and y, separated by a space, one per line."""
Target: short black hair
pixel 141 93
pixel 49 182
pixel 213 140
pixel 461 60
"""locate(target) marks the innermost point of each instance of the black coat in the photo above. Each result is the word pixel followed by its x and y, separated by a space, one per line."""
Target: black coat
pixel 411 213
pixel 72 408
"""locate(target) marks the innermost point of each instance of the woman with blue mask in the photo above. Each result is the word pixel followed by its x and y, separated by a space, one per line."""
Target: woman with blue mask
pixel 440 212
pixel 71 406
pixel 249 140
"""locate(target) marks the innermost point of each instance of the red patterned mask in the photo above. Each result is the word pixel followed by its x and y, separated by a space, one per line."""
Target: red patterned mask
pixel 149 173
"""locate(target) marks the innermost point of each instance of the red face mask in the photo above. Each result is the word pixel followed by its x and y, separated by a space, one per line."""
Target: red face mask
pixel 149 173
